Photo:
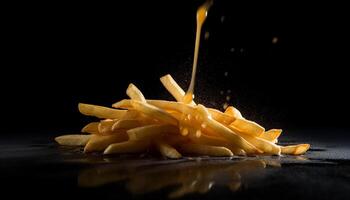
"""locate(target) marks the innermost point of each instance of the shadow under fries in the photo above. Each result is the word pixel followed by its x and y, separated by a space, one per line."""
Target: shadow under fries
pixel 185 176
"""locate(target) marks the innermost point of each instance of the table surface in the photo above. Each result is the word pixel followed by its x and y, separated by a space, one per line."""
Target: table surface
pixel 38 167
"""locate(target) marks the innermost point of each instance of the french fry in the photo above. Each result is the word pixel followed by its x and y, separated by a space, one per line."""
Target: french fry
pixel 201 149
pixel 101 142
pixel 124 104
pixel 234 112
pixel 134 93
pixel 173 88
pixel 150 131
pixel 295 149
pixel 154 112
pixel 166 150
pixel 221 117
pixel 264 145
pixel 100 111
pixel 73 140
pixel 234 139
pixel 126 124
pixel 127 147
pixel 105 126
pixel 271 135
pixel 91 128
pixel 247 127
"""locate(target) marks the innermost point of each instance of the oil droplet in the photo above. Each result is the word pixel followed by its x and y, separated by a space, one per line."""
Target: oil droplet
pixel 203 125
pixel 226 74
pixel 228 98
pixel 221 92
pixel 274 40
pixel 184 132
pixel 228 91
pixel 206 35
pixel 189 117
pixel 198 133
pixel 224 106
pixel 232 49
pixel 222 19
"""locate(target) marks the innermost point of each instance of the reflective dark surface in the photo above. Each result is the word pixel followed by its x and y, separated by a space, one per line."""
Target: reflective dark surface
pixel 37 167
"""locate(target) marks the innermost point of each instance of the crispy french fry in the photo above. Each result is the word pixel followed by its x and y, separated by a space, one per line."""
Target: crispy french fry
pixel 134 93
pixel 126 124
pixel 150 131
pixel 73 140
pixel 154 112
pixel 100 111
pixel 91 128
pixel 127 147
pixel 173 88
pixel 167 150
pixel 264 145
pixel 247 127
pixel 234 112
pixel 271 135
pixel 221 117
pixel 124 104
pixel 234 139
pixel 295 149
pixel 201 149
pixel 101 142
pixel 105 126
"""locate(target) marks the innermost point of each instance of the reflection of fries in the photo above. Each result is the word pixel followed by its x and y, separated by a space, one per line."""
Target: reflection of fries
pixel 135 125
pixel 188 177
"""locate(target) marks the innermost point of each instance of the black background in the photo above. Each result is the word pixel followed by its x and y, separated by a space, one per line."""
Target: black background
pixel 58 54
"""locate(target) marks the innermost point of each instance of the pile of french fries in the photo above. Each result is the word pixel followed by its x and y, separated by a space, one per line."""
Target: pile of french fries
pixel 174 128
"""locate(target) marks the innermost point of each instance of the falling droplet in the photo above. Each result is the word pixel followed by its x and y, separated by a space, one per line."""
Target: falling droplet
pixel 228 91
pixel 206 35
pixel 228 98
pixel 224 106
pixel 222 19
pixel 226 74
pixel 232 49
pixel 221 92
pixel 274 40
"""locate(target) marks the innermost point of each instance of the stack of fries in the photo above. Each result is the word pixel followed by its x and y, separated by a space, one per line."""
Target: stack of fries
pixel 137 125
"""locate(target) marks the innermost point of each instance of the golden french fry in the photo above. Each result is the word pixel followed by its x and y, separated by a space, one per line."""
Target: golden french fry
pixel 234 112
pixel 167 150
pixel 100 111
pixel 91 128
pixel 221 117
pixel 154 112
pixel 135 146
pixel 124 104
pixel 134 93
pixel 105 126
pixel 73 140
pixel 151 131
pixel 126 124
pixel 101 142
pixel 271 135
pixel 264 145
pixel 173 88
pixel 234 139
pixel 295 149
pixel 207 150
pixel 247 127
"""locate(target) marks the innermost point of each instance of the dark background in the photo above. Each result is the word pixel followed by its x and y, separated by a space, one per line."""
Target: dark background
pixel 58 54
